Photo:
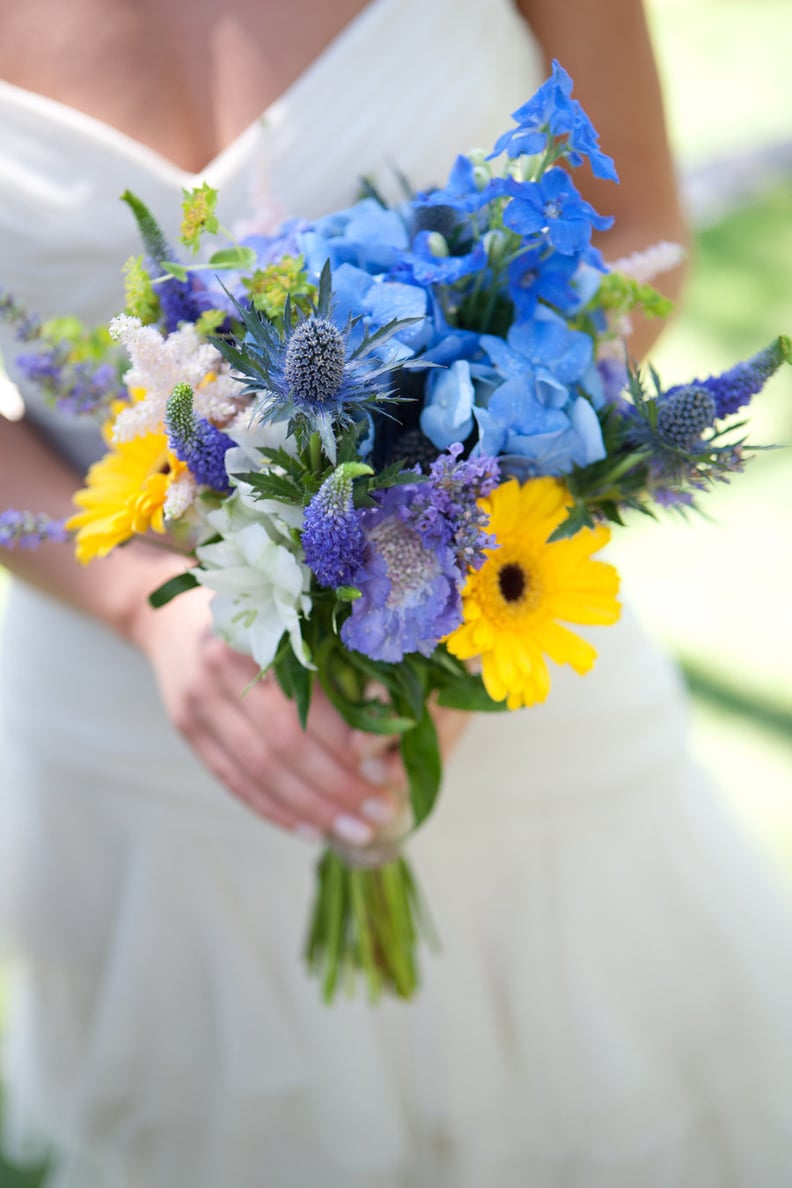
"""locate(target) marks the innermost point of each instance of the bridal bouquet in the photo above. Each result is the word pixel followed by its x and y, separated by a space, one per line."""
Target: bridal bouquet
pixel 393 439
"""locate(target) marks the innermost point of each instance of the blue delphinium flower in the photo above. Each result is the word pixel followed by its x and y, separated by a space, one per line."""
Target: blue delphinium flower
pixel 552 209
pixel 27 530
pixel 332 536
pixel 466 190
pixel 552 112
pixel 197 441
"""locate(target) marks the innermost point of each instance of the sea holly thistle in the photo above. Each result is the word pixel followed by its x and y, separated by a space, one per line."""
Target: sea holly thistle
pixel 310 371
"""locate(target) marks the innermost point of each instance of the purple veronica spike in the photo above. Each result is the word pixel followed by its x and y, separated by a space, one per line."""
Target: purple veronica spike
pixel 735 387
pixel 196 441
pixel 332 537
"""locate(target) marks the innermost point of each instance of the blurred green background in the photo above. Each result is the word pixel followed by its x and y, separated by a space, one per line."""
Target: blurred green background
pixel 719 591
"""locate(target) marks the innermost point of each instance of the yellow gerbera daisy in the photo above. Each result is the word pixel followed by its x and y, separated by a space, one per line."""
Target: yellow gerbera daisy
pixel 125 495
pixel 510 605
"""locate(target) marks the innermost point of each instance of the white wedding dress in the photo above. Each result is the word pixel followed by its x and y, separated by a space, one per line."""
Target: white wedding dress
pixel 612 1006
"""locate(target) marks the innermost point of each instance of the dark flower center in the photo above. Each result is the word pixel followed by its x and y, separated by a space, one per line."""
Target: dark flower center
pixel 513 581
pixel 314 363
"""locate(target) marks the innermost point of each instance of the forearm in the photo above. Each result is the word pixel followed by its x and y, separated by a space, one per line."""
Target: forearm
pixel 607 50
pixel 114 589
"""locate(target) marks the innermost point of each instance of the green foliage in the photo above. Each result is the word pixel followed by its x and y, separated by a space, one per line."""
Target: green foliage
pixel 198 215
pixel 140 298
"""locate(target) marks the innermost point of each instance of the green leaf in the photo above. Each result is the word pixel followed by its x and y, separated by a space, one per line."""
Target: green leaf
pixel 241 258
pixel 172 268
pixel 172 588
pixel 296 681
pixel 275 486
pixel 579 517
pixel 421 757
pixel 469 694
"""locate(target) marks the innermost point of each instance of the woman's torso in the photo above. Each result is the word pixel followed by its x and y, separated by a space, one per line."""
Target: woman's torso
pixel 397 85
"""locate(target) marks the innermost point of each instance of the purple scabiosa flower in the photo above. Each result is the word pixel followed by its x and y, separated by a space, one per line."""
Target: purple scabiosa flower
pixel 27 530
pixel 420 542
pixel 740 383
pixel 197 441
pixel 332 538
pixel 409 591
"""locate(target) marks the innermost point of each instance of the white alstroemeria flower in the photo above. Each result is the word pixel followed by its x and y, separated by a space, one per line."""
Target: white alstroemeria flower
pixel 261 587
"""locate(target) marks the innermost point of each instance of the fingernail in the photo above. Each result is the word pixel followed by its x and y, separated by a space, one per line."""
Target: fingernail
pixel 378 811
pixel 374 770
pixel 308 833
pixel 351 830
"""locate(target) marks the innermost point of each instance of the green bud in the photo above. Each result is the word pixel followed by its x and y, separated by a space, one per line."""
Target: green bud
pixel 437 244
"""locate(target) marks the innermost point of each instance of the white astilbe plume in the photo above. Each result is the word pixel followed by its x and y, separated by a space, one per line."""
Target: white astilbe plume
pixel 651 262
pixel 158 364
pixel 181 495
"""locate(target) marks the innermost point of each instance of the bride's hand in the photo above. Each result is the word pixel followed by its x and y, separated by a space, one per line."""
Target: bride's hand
pixel 312 781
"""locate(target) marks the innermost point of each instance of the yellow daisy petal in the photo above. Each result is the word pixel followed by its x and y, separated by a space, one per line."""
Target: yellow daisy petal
pixel 512 604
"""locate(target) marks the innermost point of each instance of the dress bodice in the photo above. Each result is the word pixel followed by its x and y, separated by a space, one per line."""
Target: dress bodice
pixel 404 87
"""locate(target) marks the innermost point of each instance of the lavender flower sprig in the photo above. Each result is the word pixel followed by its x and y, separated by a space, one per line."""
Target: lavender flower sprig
pixel 27 530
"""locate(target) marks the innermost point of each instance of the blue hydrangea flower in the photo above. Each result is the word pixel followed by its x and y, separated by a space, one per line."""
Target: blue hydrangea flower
pixel 552 209
pixel 536 421
pixel 367 235
pixel 332 536
pixel 196 441
pixel 447 414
